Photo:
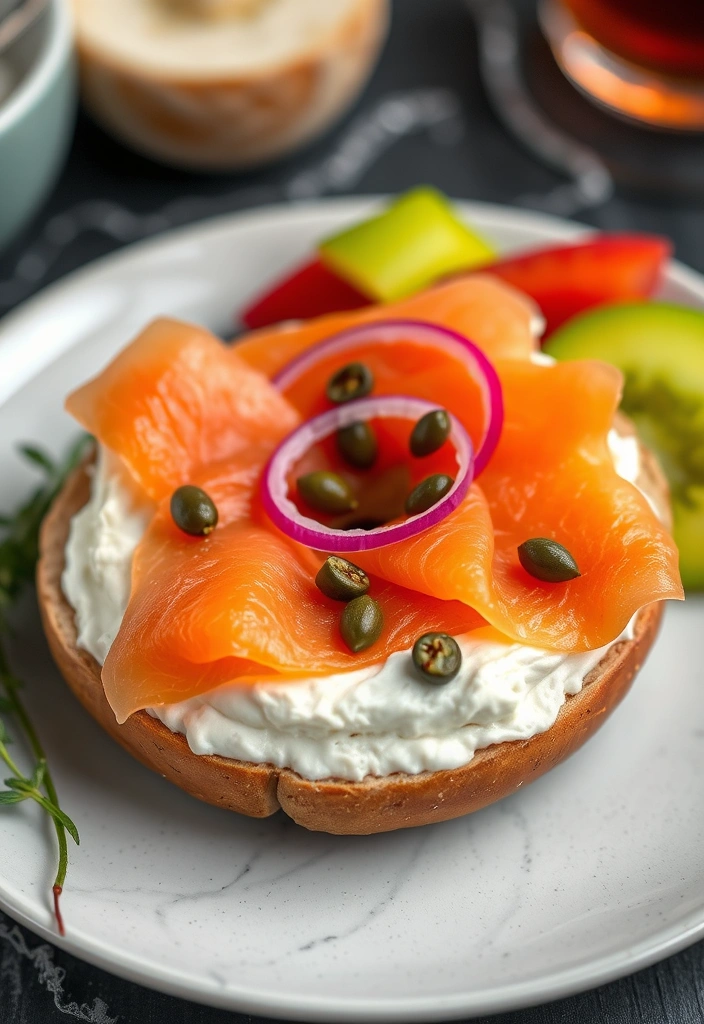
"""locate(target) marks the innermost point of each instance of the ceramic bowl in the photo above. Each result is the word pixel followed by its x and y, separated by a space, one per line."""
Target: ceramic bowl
pixel 36 118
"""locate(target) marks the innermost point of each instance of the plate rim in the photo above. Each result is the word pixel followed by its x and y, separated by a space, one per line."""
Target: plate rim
pixel 559 984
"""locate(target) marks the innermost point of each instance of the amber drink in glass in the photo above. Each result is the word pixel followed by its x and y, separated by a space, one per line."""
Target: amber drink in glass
pixel 643 59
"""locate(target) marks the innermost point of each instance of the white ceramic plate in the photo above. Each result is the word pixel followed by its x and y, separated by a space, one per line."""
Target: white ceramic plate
pixel 592 872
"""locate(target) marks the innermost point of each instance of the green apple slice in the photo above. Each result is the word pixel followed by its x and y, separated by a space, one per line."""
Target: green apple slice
pixel 659 347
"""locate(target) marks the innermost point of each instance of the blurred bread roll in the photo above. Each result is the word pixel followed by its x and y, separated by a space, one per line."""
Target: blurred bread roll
pixel 223 84
pixel 216 8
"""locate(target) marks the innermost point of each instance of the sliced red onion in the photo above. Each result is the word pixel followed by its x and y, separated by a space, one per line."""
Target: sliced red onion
pixel 284 514
pixel 389 331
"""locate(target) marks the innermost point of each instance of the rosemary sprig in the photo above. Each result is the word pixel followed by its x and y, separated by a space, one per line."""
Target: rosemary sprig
pixel 19 551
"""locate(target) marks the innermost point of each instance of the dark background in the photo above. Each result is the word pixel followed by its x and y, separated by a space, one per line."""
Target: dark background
pixel 443 131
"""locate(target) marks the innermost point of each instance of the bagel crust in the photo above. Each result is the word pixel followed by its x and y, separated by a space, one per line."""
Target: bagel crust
pixel 335 805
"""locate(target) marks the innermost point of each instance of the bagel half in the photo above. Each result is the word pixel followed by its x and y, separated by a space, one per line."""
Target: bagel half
pixel 158 74
pixel 334 805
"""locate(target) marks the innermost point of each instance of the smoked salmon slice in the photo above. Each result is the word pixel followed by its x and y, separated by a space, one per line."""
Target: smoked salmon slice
pixel 242 604
pixel 421 371
pixel 180 407
pixel 496 317
pixel 175 400
pixel 551 476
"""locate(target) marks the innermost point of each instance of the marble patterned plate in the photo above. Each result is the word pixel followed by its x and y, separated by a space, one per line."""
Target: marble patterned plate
pixel 592 872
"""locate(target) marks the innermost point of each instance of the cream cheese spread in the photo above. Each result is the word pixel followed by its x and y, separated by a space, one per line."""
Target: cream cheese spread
pixel 374 721
pixel 101 543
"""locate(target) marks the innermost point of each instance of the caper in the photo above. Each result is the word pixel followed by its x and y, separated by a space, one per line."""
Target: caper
pixel 193 510
pixel 341 580
pixel 326 492
pixel 428 493
pixel 430 432
pixel 361 623
pixel 437 657
pixel 547 560
pixel 353 381
pixel 357 444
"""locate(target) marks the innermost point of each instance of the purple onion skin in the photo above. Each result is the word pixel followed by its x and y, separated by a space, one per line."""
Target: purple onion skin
pixel 444 337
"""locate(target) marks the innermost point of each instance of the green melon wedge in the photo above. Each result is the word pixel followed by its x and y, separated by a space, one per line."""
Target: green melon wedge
pixel 659 347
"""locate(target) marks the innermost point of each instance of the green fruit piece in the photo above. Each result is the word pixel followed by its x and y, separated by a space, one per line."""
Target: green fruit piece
pixel 659 347
pixel 689 534
pixel 415 241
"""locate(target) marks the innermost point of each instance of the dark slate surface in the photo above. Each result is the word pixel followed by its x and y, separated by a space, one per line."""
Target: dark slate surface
pixel 423 118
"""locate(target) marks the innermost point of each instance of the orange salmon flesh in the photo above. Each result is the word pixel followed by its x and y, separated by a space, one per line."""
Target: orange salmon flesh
pixel 178 406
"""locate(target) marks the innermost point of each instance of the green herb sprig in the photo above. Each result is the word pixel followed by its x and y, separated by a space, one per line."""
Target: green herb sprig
pixel 19 551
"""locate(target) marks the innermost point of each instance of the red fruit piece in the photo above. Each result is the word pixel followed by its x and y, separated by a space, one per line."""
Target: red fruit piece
pixel 311 290
pixel 566 279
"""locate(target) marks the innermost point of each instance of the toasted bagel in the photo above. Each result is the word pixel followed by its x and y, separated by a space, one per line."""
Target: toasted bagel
pixel 335 805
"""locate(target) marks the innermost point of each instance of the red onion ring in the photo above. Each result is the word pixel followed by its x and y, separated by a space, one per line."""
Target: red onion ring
pixel 422 333
pixel 284 514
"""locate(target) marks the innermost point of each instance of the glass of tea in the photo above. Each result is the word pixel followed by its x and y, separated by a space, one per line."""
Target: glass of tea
pixel 643 59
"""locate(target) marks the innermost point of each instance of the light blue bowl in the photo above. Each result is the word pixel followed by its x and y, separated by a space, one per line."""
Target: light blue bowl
pixel 36 120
